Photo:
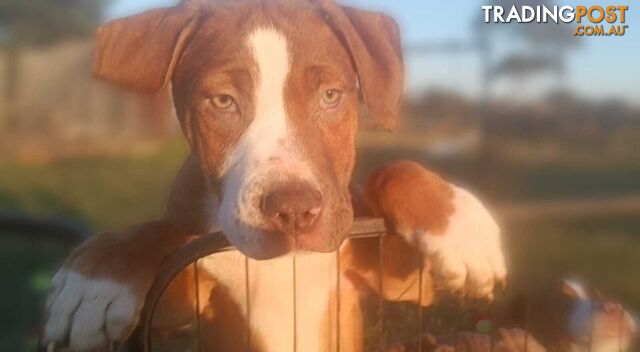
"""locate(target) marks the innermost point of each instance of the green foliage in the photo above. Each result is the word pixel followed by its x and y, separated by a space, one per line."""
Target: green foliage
pixel 603 253
pixel 34 22
pixel 105 192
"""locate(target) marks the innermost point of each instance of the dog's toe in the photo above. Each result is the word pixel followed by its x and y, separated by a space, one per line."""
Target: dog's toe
pixel 91 313
pixel 87 332
pixel 448 267
pixel 480 280
pixel 121 318
pixel 62 304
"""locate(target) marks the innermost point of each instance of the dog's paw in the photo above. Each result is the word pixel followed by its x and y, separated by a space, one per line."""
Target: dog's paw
pixel 90 313
pixel 95 300
pixel 455 231
pixel 467 258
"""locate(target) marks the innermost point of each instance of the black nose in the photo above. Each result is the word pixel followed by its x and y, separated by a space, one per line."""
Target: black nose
pixel 293 207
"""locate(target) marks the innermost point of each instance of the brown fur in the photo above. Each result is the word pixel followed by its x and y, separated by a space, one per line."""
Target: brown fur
pixel 162 237
pixel 410 196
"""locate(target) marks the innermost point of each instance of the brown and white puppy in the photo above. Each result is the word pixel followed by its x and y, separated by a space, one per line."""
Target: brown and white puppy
pixel 267 94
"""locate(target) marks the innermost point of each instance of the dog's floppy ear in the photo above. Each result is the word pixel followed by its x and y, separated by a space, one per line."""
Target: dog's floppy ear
pixel 140 52
pixel 373 40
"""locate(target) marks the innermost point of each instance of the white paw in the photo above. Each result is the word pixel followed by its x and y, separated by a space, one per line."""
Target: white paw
pixel 92 314
pixel 467 259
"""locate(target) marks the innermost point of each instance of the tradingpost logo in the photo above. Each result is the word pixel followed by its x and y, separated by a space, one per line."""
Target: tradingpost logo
pixel 597 21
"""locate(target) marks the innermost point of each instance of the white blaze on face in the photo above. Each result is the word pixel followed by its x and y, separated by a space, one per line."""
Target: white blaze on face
pixel 266 151
pixel 269 127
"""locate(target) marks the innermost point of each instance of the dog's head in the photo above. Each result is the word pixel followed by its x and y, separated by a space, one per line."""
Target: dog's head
pixel 267 94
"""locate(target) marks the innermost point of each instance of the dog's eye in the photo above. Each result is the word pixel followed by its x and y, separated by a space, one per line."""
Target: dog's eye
pixel 331 98
pixel 224 102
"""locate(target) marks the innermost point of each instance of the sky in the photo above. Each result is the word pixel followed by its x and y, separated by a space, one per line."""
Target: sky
pixel 600 68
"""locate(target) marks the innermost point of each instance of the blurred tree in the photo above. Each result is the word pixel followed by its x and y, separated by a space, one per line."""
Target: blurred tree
pixel 519 53
pixel 34 22
pixel 523 51
pixel 38 22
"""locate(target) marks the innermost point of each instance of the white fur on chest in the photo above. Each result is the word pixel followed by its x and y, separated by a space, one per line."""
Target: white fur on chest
pixel 269 304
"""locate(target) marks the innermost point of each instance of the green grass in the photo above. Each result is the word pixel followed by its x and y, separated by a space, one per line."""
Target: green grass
pixel 104 192
pixel 603 253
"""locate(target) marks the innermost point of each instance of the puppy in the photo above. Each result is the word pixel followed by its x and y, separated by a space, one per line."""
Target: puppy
pixel 267 94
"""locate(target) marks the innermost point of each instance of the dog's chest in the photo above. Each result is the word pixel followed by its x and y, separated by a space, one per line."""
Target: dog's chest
pixel 285 302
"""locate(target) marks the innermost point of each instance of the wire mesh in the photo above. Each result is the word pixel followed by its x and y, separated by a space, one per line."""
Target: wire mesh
pixel 437 319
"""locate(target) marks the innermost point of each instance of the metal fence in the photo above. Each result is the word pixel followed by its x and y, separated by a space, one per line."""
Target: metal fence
pixel 432 319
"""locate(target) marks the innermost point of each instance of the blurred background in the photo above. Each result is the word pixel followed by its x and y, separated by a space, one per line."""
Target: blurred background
pixel 543 125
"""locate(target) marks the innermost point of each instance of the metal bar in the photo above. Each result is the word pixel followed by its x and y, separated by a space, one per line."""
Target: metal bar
pixel 589 349
pixel 621 330
pixel 381 292
pixel 338 299
pixel 295 306
pixel 247 301
pixel 434 323
pixel 455 339
pixel 527 324
pixel 197 282
pixel 492 340
pixel 495 318
pixel 420 269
